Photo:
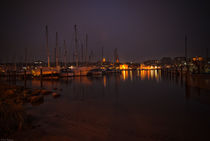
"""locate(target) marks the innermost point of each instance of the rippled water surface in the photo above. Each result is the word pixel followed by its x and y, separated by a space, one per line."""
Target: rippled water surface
pixel 132 105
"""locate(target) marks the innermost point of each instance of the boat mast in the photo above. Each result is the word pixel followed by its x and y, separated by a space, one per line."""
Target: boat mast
pixel 86 48
pixel 116 57
pixel 102 54
pixel 55 56
pixel 48 54
pixel 186 48
pixel 26 52
pixel 76 46
pixel 65 53
pixel 82 55
pixel 56 49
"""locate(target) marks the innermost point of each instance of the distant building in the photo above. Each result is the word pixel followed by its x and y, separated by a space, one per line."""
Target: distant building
pixel 179 60
pixel 152 62
pixel 198 58
pixel 123 67
pixel 166 61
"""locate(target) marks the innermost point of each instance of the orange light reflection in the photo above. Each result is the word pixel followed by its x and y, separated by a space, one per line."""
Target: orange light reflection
pixel 104 81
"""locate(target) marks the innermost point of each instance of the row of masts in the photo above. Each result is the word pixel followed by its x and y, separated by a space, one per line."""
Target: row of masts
pixel 84 56
pixel 84 49
pixel 57 50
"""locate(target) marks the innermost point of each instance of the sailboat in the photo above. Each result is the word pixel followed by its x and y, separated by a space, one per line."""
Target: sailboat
pixel 47 71
pixel 79 70
pixel 66 72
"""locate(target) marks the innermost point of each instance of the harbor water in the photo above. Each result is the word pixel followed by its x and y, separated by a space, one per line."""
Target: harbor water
pixel 127 106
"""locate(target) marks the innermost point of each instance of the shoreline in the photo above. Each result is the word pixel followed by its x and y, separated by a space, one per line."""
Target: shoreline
pixel 13 98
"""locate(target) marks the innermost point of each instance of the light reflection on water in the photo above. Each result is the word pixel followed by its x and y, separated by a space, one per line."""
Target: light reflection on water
pixel 104 78
pixel 142 74
pixel 137 77
pixel 112 81
pixel 137 105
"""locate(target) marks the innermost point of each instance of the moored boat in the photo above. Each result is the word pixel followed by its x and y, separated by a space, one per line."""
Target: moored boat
pixel 81 71
pixel 46 71
pixel 66 72
pixel 96 72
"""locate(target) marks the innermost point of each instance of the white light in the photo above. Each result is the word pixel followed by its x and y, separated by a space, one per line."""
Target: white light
pixel 71 67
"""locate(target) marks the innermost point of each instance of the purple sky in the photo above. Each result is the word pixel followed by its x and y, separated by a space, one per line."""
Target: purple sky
pixel 140 29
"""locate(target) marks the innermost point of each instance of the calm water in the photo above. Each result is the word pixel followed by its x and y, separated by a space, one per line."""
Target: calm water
pixel 134 105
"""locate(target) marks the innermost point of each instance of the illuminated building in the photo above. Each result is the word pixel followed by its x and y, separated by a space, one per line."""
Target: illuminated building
pixel 123 67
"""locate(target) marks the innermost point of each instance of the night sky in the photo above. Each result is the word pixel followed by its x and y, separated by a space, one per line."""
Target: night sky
pixel 140 29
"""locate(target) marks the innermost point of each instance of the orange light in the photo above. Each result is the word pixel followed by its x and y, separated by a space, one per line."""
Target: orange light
pixel 143 74
pixel 200 58
pixel 123 73
pixel 131 75
pixel 104 81
pixel 104 60
pixel 124 67
pixel 117 60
